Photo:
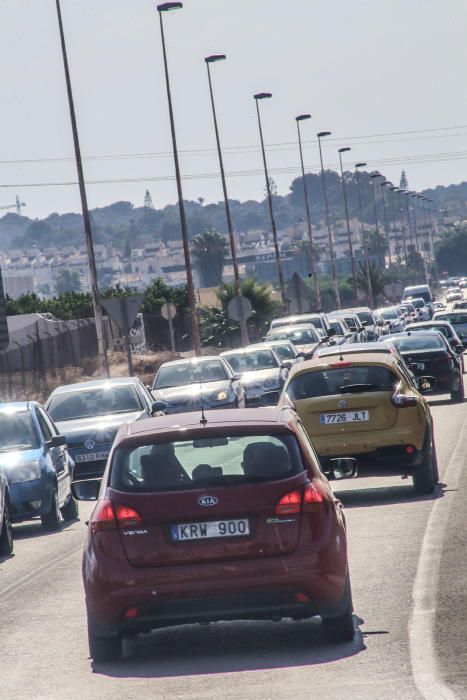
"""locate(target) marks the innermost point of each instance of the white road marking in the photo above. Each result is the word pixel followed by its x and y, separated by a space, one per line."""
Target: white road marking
pixel 422 620
pixel 37 572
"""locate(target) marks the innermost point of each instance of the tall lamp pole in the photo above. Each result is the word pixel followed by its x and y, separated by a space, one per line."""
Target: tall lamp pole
pixel 398 193
pixel 364 238
pixel 387 226
pixel 346 149
pixel 233 250
pixel 314 267
pixel 265 96
pixel 321 135
pixel 96 298
pixel 167 7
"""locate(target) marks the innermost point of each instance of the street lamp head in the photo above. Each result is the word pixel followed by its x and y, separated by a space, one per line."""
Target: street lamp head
pixel 302 117
pixel 375 175
pixel 321 134
pixel 262 95
pixel 167 6
pixel 387 183
pixel 360 165
pixel 215 57
pixel 344 150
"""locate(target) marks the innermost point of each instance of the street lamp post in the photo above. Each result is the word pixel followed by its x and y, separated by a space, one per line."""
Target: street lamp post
pixel 349 232
pixel 321 135
pixel 409 222
pixel 428 209
pixel 420 251
pixel 233 250
pixel 167 7
pixel 387 226
pixel 314 267
pixel 373 178
pixel 398 193
pixel 96 298
pixel 364 239
pixel 264 96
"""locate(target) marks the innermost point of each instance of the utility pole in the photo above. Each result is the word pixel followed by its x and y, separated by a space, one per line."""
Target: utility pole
pixel 96 299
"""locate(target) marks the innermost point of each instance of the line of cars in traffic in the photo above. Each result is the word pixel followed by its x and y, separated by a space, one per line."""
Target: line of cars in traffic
pixel 212 488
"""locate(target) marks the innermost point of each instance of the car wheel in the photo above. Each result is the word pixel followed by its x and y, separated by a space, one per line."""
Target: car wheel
pixel 103 648
pixel 52 520
pixel 340 628
pixel 426 475
pixel 6 534
pixel 458 396
pixel 70 510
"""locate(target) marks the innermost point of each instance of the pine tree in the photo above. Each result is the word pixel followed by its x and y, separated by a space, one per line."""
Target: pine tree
pixel 148 200
pixel 404 183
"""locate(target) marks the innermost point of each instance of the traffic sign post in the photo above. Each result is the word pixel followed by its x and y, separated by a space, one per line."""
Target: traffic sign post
pixel 240 309
pixel 169 311
pixel 4 335
pixel 123 311
pixel 298 295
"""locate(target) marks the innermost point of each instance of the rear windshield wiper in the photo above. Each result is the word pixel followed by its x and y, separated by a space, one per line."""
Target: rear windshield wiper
pixel 356 388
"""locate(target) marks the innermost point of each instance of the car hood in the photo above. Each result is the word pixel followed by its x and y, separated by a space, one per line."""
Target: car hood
pixel 260 376
pixel 102 429
pixel 11 458
pixel 183 394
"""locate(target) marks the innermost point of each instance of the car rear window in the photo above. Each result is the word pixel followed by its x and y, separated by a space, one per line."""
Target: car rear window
pixel 366 317
pixel 205 461
pixel 342 380
pixel 299 336
pixel 285 352
pixel 251 361
pixel 183 373
pixel 445 330
pixel 456 319
pixel 418 341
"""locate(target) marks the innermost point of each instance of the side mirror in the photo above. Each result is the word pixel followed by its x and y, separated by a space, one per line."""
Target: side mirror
pixel 57 441
pixel 343 468
pixel 459 349
pixel 365 324
pixel 353 329
pixel 87 490
pixel 348 334
pixel 426 384
pixel 237 376
pixel 301 354
pixel 159 407
pixel 286 364
pixel 380 323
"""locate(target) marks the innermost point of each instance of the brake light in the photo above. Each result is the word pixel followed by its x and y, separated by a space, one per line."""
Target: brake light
pixel 127 517
pixel 445 358
pixel 298 501
pixel 340 365
pixel 103 518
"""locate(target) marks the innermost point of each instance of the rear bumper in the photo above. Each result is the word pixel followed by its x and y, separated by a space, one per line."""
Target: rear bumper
pixel 384 460
pixel 296 585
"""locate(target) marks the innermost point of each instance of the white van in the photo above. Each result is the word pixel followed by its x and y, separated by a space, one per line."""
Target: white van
pixel 419 291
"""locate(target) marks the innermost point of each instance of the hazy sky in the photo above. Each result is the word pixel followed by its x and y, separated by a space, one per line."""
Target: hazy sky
pixel 370 71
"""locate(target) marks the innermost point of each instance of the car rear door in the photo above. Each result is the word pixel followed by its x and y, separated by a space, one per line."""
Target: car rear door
pixel 57 454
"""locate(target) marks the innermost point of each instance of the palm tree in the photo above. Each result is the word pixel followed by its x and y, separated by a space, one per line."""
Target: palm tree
pixel 378 280
pixel 259 294
pixel 209 251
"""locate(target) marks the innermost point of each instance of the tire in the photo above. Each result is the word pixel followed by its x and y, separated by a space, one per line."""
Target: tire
pixel 458 396
pixel 6 534
pixel 52 520
pixel 426 475
pixel 70 510
pixel 103 648
pixel 340 628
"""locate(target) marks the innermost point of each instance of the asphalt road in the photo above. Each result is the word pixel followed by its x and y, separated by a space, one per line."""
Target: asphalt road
pixel 408 560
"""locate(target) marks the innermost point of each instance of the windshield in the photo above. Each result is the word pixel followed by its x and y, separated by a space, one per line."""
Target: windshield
pixel 285 352
pixel 455 319
pixel 418 303
pixel 388 314
pixel 184 373
pixel 101 401
pixel 298 336
pixel 445 330
pixel 206 461
pixel 252 360
pixel 17 431
pixel 365 316
pixel 340 381
pixel 418 341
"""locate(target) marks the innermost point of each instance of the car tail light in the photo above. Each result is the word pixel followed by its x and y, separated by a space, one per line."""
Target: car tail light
pixel 400 400
pixel 106 518
pixel 445 358
pixel 340 365
pixel 127 517
pixel 298 501
pixel 103 518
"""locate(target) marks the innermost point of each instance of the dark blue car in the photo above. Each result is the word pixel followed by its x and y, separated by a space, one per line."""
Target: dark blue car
pixel 35 460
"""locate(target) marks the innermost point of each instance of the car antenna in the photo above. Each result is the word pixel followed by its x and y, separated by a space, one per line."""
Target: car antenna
pixel 203 420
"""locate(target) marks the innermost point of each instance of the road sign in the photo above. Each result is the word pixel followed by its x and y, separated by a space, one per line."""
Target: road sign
pixel 239 308
pixel 298 294
pixel 168 310
pixel 4 336
pixel 123 311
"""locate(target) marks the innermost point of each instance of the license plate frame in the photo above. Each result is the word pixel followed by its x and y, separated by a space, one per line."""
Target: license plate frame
pixel 344 417
pixel 209 530
pixel 91 457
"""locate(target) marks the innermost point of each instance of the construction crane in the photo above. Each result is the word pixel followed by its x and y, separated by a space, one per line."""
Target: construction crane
pixel 18 205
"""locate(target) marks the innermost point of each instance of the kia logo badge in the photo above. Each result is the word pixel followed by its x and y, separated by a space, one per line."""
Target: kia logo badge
pixel 208 501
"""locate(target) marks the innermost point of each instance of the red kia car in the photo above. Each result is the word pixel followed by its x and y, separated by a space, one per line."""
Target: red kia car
pixel 220 518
